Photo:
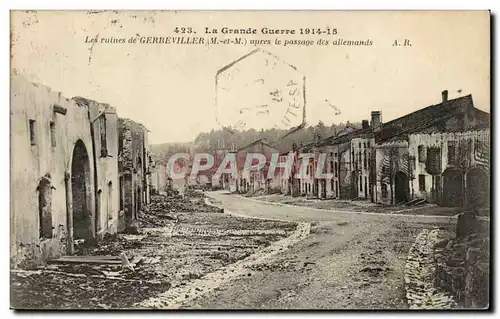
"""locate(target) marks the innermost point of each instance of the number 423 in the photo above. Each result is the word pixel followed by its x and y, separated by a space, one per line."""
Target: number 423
pixel 183 30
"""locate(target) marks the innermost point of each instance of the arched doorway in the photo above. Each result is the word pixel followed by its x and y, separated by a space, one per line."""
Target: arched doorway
pixel 477 188
pixel 81 192
pixel 452 188
pixel 402 188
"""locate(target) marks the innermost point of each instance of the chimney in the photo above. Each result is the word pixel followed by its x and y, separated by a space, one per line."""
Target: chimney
pixel 444 94
pixel 376 120
pixel 365 124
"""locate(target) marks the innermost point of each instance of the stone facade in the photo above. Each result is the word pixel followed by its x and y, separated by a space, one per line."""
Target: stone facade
pixel 361 166
pixel 54 172
pixel 438 154
pixel 427 155
pixel 434 167
pixel 348 158
pixel 105 132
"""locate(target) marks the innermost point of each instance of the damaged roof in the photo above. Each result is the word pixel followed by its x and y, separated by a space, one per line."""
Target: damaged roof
pixel 344 138
pixel 434 119
pixel 260 140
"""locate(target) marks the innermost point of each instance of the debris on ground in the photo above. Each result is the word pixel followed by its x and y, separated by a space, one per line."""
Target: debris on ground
pixel 177 240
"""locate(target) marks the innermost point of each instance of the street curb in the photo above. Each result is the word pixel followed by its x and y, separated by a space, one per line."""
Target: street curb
pixel 177 297
pixel 346 212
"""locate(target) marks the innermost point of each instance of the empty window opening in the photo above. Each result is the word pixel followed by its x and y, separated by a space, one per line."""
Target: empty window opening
pixel 52 126
pixel 32 132
pixel 384 190
pixel 421 183
pixel 102 132
pixel 421 154
pixel 45 207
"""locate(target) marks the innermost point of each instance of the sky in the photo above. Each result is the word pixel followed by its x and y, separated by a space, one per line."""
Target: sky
pixel 171 88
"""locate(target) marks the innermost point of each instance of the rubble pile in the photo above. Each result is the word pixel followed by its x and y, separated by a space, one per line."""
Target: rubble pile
pixel 110 245
pixel 463 264
pixel 193 193
pixel 420 274
pixel 80 288
pixel 163 210
pixel 180 240
pixel 163 205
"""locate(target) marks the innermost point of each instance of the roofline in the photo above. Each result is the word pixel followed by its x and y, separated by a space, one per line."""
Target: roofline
pixel 261 140
pixel 423 126
pixel 428 107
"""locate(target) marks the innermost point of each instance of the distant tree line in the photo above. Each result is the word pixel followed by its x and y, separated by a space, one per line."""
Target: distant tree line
pixel 229 140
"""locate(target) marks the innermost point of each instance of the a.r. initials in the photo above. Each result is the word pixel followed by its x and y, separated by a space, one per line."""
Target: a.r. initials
pixel 401 43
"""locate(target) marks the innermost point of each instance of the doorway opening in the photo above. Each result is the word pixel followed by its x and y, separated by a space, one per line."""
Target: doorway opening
pixel 402 185
pixel 452 188
pixel 81 192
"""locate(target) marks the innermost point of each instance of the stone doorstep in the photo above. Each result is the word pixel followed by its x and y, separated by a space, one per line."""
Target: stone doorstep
pixel 86 260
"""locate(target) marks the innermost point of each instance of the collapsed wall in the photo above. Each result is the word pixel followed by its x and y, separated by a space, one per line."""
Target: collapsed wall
pixel 462 265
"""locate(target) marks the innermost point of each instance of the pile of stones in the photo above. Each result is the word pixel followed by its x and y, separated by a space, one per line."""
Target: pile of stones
pixel 463 264
pixel 420 274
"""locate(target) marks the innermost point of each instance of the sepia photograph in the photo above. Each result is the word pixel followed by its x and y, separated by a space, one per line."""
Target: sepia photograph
pixel 250 160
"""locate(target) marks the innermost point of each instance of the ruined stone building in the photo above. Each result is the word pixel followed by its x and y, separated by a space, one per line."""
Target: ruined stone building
pixel 64 171
pixel 439 154
pixel 159 179
pixel 256 179
pixel 347 158
pixel 134 165
pixel 205 177
pixel 285 181
pixel 304 179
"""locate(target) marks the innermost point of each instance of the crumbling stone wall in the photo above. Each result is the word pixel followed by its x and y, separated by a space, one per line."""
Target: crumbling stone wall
pixel 58 123
pixel 125 144
pixel 463 263
pixel 131 165
pixel 30 255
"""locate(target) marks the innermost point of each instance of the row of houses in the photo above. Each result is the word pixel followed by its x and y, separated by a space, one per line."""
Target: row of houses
pixel 438 154
pixel 78 171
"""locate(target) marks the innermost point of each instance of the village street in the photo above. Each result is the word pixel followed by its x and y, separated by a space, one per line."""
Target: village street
pixel 349 260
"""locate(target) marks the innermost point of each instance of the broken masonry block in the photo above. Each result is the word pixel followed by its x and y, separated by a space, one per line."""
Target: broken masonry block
pixel 133 228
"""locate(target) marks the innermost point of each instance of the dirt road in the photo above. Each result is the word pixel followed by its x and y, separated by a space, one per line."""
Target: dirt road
pixel 349 260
